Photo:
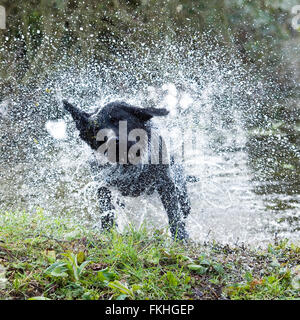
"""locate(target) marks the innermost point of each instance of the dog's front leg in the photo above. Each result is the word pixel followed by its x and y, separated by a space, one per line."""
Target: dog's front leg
pixel 170 199
pixel 106 207
pixel 181 189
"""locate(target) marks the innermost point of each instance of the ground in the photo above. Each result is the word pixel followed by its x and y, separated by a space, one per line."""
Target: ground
pixel 47 257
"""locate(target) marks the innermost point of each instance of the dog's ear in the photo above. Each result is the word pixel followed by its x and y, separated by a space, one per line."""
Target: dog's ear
pixel 80 117
pixel 75 112
pixel 146 113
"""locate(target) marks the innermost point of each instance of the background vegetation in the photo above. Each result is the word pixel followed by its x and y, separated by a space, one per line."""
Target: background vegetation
pixel 41 33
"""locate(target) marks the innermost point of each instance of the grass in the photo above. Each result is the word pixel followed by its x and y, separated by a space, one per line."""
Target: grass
pixel 44 257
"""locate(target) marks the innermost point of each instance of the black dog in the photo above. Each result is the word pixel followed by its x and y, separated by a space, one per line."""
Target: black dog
pixel 133 179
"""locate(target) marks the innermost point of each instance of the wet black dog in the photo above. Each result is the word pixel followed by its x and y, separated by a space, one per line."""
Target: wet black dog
pixel 129 177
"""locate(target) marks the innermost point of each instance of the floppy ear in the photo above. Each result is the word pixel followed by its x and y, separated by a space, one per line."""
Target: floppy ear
pixel 146 113
pixel 75 112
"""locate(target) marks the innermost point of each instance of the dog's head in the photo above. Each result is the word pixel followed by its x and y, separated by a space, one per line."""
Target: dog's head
pixel 110 117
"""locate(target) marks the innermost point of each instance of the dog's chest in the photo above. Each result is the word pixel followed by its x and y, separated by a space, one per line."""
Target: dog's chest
pixel 129 180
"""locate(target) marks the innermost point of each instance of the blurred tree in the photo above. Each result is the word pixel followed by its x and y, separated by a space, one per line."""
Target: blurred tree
pixel 42 34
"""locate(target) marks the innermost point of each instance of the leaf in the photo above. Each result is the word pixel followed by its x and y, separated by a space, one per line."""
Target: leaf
pixel 105 275
pixel 205 262
pixel 218 268
pixel 122 297
pixel 57 269
pixel 199 269
pixel 119 286
pixel 39 298
pixel 87 296
pixel 187 280
pixel 71 264
pixel 172 279
pixel 188 258
pixel 82 266
pixel 194 267
pixel 136 287
pixel 80 257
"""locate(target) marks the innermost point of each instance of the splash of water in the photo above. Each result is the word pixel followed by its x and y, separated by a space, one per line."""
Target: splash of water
pixel 213 99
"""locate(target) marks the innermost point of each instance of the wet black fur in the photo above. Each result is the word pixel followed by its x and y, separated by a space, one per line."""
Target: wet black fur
pixel 134 180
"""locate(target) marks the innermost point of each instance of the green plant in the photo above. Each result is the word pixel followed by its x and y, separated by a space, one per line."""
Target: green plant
pixel 123 290
pixel 134 264
pixel 69 266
